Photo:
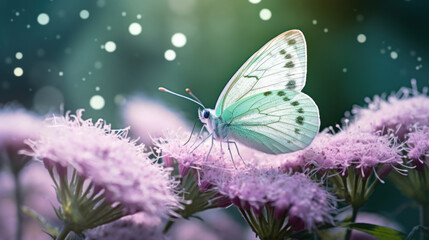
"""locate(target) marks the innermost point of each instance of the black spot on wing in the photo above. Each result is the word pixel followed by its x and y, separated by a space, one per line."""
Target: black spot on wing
pixel 291 42
pixel 300 120
pixel 286 99
pixel 294 103
pixel 281 93
pixel 291 84
pixel 288 56
pixel 289 64
pixel 300 110
pixel 282 51
pixel 267 93
pixel 297 130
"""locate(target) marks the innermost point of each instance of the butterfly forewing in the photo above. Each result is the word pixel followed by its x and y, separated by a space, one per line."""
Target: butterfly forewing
pixel 274 122
pixel 279 64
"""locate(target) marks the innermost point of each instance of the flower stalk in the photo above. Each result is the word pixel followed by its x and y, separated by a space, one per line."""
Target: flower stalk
pixel 18 204
pixel 424 220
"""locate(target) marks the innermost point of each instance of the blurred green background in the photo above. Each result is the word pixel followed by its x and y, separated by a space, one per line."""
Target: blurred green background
pixel 355 49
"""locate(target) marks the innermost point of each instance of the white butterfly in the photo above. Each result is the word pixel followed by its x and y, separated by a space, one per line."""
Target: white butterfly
pixel 262 106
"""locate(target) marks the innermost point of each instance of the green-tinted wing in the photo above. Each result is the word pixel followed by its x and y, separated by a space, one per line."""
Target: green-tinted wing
pixel 279 64
pixel 273 122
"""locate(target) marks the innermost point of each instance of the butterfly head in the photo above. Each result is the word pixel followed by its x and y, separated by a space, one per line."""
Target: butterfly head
pixel 206 114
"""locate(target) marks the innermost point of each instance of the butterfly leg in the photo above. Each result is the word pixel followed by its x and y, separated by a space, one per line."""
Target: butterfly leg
pixel 190 136
pixel 230 152
pixel 211 147
pixel 211 134
pixel 236 147
pixel 199 135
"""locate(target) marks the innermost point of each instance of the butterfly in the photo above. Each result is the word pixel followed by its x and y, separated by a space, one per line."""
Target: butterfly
pixel 262 106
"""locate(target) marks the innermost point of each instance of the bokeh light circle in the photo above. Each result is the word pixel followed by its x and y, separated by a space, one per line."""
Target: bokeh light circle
pixel 43 19
pixel 361 38
pixel 135 28
pixel 19 55
pixel 170 55
pixel 18 71
pixel 110 46
pixel 265 14
pixel 97 102
pixel 178 40
pixel 84 14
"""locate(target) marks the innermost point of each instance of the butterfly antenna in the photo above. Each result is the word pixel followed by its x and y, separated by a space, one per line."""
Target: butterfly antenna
pixel 179 95
pixel 190 93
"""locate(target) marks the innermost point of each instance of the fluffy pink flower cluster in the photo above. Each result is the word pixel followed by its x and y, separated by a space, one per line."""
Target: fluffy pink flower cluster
pixel 398 112
pixel 350 147
pixel 191 156
pixel 17 125
pixel 418 146
pixel 109 160
pixel 304 201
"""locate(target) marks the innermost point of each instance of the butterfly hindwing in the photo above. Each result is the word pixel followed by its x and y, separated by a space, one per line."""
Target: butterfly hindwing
pixel 279 64
pixel 275 122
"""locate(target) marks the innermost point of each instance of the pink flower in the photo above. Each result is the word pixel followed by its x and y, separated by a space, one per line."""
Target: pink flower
pixel 295 196
pixel 109 160
pixel 17 125
pixel 350 147
pixel 418 146
pixel 398 112
pixel 207 159
pixel 126 228
pixel 149 119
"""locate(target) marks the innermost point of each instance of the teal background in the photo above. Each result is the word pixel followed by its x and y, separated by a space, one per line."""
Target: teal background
pixel 221 35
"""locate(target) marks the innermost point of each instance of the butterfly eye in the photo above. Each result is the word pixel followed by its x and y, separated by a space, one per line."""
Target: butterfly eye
pixel 206 114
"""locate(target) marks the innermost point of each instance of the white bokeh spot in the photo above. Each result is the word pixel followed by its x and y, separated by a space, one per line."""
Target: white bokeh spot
pixel 135 28
pixel 265 14
pixel 361 38
pixel 84 14
pixel 110 46
pixel 19 55
pixel 43 19
pixel 18 71
pixel 97 102
pixel 170 55
pixel 178 40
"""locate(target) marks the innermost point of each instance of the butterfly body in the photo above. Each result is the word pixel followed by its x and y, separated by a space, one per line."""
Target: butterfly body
pixel 262 106
pixel 214 124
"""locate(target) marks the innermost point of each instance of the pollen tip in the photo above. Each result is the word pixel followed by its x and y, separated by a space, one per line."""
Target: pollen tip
pixel 162 89
pixel 188 90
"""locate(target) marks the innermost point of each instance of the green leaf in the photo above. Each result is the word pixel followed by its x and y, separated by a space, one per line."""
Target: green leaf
pixel 49 229
pixel 382 233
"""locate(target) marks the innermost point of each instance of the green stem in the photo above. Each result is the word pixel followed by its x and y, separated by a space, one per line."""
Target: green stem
pixel 18 200
pixel 63 233
pixel 424 220
pixel 255 228
pixel 353 219
pixel 168 226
